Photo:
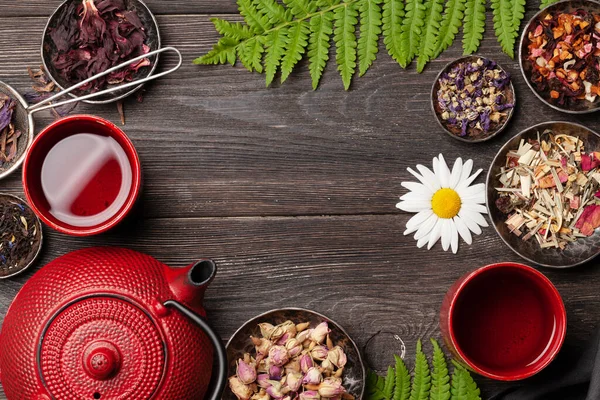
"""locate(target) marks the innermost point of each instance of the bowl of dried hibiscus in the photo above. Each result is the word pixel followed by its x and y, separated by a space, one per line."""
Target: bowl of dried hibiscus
pixel 543 194
pixel 559 56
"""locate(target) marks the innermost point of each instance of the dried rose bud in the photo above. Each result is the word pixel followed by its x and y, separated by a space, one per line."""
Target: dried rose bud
pixel 337 357
pixel 320 332
pixel 275 372
pixel 245 372
pixel 263 380
pixel 294 381
pixel 313 377
pixel 303 326
pixel 241 391
pixel 293 366
pixel 306 362
pixel 278 356
pixel 262 395
pixel 277 391
pixel 327 367
pixel 294 347
pixel 319 353
pixel 266 330
pixel 262 345
pixel 310 395
pixel 280 330
pixel 304 335
pixel 283 339
pixel 331 387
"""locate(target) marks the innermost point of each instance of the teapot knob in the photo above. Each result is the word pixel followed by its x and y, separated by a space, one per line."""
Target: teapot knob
pixel 101 360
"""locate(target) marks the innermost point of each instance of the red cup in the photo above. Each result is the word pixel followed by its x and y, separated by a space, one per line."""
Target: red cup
pixel 504 321
pixel 46 140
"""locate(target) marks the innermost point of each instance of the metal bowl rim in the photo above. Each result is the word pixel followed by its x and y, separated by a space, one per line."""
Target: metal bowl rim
pixel 114 99
pixel 341 328
pixel 437 118
pixel 487 197
pixel 521 67
pixel 39 249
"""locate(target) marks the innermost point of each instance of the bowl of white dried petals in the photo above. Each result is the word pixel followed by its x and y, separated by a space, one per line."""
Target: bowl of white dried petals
pixel 293 353
pixel 543 194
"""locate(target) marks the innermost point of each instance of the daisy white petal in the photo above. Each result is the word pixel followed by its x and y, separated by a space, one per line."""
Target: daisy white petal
pixel 476 198
pixel 462 229
pixel 446 234
pixel 454 237
pixel 417 188
pixel 426 227
pixel 475 217
pixel 418 219
pixel 471 190
pixel 465 183
pixel 442 172
pixel 422 242
pixel 478 208
pixel 466 171
pixel 430 176
pixel 456 173
pixel 435 234
pixel 412 196
pixel 413 206
pixel 472 225
pixel 429 185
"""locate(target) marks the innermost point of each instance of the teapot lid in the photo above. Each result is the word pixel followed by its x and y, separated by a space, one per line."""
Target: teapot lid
pixel 102 347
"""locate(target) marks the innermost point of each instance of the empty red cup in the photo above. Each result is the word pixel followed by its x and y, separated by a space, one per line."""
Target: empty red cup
pixel 82 175
pixel 504 321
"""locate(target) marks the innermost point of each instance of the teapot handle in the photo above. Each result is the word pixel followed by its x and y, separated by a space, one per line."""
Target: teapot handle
pixel 221 353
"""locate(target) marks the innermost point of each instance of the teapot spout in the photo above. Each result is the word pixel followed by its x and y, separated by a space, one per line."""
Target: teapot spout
pixel 188 284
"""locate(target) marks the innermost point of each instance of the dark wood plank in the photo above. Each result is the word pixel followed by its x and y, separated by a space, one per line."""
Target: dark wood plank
pixel 359 270
pixel 45 8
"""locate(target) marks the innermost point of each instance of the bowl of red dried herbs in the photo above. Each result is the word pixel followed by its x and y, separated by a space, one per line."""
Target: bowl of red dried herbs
pixel 20 236
pixel 87 37
pixel 543 194
pixel 473 99
pixel 559 56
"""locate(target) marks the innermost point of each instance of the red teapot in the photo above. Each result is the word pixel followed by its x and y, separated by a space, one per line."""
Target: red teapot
pixel 111 323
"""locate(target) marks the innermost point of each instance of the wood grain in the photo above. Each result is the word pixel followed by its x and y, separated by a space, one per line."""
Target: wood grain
pixel 292 191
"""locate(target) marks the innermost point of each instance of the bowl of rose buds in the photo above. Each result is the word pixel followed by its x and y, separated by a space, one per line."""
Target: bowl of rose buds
pixel 292 354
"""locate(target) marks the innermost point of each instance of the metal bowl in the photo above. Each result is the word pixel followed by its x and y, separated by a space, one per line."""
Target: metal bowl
pixel 153 41
pixel 240 343
pixel 575 253
pixel 581 107
pixel 454 131
pixel 35 251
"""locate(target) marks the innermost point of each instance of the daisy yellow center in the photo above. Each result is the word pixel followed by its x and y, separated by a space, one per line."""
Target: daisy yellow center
pixel 446 203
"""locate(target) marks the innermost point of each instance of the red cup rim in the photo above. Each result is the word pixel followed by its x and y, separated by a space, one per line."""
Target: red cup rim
pixel 552 351
pixel 125 209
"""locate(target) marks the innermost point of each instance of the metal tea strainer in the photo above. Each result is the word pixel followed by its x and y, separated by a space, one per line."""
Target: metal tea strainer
pixel 23 113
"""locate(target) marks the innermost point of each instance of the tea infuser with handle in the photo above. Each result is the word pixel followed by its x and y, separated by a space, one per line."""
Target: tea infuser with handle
pixel 23 112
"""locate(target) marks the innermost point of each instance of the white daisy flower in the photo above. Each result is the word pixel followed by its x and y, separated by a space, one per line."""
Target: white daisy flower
pixel 446 203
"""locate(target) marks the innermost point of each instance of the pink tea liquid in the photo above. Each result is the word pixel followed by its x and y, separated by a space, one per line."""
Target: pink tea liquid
pixel 86 179
pixel 504 321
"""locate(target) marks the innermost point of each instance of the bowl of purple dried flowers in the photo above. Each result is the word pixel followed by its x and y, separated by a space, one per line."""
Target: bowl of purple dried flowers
pixel 473 99
pixel 87 37
pixel 293 353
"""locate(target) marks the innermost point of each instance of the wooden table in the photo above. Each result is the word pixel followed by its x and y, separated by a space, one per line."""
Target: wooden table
pixel 292 191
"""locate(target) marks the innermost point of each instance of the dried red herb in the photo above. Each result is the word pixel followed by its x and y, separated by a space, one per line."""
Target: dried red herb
pixel 9 136
pixel 94 36
pixel 589 220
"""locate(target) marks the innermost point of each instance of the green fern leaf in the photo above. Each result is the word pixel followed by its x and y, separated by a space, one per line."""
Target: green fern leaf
pixel 471 390
pixel 402 388
pixel 393 12
pixel 276 41
pixel 422 380
pixel 518 13
pixel 295 47
pixel 440 379
pixel 433 17
pixel 273 10
pixel 459 385
pixel 374 386
pixel 237 31
pixel 250 54
pixel 321 28
pixel 223 52
pixel 412 27
pixel 370 29
pixel 546 3
pixel 256 20
pixel 474 25
pixel 388 384
pixel 345 40
pixel 505 32
pixel 451 23
pixel 301 8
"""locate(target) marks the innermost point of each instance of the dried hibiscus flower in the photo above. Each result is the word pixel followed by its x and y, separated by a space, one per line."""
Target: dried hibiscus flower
pixel 95 35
